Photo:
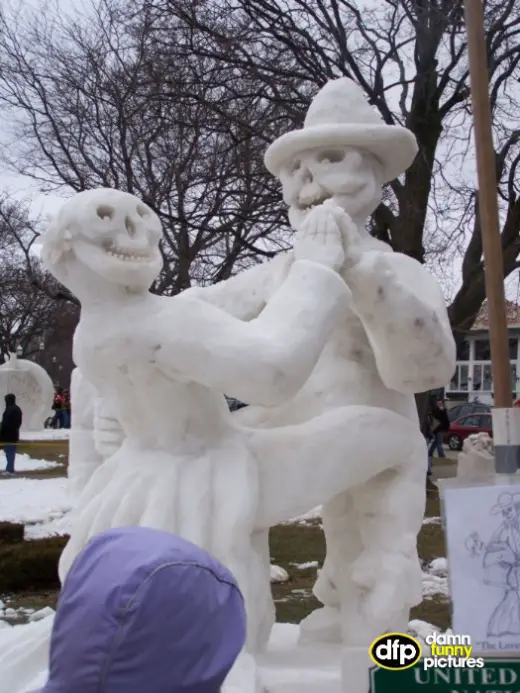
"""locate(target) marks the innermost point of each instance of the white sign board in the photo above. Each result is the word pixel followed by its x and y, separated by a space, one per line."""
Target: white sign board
pixel 483 543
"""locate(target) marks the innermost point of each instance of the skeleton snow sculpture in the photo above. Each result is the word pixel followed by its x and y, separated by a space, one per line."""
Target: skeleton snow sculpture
pixel 394 340
pixel 160 364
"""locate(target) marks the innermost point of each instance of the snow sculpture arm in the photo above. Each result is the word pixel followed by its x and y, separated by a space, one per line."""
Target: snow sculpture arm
pixel 264 361
pixel 404 314
pixel 108 433
pixel 95 434
pixel 84 459
pixel 246 294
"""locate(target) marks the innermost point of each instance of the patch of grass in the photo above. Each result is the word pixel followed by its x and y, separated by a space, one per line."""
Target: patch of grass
pixel 30 566
pixel 435 610
pixel 291 545
pixel 11 533
pixel 32 600
pixel 52 451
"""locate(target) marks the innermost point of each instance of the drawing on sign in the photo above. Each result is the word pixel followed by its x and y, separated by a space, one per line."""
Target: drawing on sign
pixel 474 544
pixel 501 563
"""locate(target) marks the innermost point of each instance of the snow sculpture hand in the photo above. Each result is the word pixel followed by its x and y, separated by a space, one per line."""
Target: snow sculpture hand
pixel 319 238
pixel 108 434
pixel 352 241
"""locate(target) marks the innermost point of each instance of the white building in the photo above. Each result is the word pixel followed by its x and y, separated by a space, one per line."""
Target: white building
pixel 472 378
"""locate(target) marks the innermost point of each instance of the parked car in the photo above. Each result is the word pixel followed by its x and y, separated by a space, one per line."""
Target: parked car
pixel 465 408
pixel 465 426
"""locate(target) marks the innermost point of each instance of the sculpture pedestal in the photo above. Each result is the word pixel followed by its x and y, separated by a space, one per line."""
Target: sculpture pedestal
pixel 355 669
pixel 289 667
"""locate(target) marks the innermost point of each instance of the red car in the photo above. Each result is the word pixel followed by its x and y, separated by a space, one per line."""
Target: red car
pixel 465 426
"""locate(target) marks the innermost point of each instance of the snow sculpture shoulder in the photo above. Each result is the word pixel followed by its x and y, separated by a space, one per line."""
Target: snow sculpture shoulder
pixel 33 389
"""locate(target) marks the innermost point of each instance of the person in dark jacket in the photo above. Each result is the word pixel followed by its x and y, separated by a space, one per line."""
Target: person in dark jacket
pixel 440 423
pixel 143 611
pixel 59 409
pixel 10 430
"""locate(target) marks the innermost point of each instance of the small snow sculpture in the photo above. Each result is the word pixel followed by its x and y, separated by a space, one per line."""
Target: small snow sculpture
pixel 33 389
pixel 476 458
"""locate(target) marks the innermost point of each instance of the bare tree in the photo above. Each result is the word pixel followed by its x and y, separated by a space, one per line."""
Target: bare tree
pixel 176 100
pixel 88 108
pixel 26 313
pixel 410 57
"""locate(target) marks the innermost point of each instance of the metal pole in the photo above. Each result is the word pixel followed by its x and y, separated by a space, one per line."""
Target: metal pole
pixel 505 418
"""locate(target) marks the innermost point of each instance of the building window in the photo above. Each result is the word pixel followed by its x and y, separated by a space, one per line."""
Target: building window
pixel 476 383
pixel 482 350
pixel 463 351
pixel 463 378
pixel 454 385
pixel 487 378
pixel 513 348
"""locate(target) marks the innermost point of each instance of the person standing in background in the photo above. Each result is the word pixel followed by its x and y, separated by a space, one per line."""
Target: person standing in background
pixel 58 406
pixel 10 430
pixel 440 423
pixel 66 409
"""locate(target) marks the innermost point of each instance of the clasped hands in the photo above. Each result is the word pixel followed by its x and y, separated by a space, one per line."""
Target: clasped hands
pixel 328 236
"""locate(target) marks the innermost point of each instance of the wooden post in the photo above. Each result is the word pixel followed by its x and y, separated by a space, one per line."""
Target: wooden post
pixel 488 205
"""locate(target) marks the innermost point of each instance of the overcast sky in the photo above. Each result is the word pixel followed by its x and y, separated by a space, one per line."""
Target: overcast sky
pixel 42 205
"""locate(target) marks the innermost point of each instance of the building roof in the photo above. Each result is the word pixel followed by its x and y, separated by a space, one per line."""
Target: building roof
pixel 512 316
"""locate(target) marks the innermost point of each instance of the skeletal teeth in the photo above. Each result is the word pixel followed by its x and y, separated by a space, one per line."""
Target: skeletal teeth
pixel 114 252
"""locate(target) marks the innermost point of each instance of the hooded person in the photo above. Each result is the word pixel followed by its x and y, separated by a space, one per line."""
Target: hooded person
pixel 141 611
pixel 10 430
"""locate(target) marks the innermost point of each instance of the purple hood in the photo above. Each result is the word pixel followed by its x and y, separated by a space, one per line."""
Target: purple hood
pixel 143 611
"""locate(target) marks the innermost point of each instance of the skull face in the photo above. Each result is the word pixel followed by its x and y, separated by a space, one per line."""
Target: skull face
pixel 349 176
pixel 114 234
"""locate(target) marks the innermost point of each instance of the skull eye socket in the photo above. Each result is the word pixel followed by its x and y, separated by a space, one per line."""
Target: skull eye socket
pixel 331 157
pixel 105 212
pixel 143 211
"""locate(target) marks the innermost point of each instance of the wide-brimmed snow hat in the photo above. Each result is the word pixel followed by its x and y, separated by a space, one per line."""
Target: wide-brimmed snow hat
pixel 340 115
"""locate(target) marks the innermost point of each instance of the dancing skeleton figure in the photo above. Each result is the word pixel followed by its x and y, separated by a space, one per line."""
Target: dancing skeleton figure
pixel 160 363
pixel 394 340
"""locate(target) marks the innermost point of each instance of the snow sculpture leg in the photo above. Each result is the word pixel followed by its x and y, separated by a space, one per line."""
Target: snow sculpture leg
pixel 372 568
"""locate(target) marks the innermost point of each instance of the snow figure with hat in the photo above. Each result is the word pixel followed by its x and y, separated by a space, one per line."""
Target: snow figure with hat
pixel 502 566
pixel 393 340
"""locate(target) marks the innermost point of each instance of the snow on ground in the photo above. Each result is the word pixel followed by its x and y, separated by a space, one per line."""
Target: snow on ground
pixel 24 463
pixel 432 521
pixel 39 503
pixel 46 434
pixel 8 614
pixel 313 514
pixel 308 564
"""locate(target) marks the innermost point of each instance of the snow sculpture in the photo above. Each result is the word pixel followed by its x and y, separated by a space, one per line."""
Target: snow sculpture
pixel 33 389
pixel 476 458
pixel 394 340
pixel 184 465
